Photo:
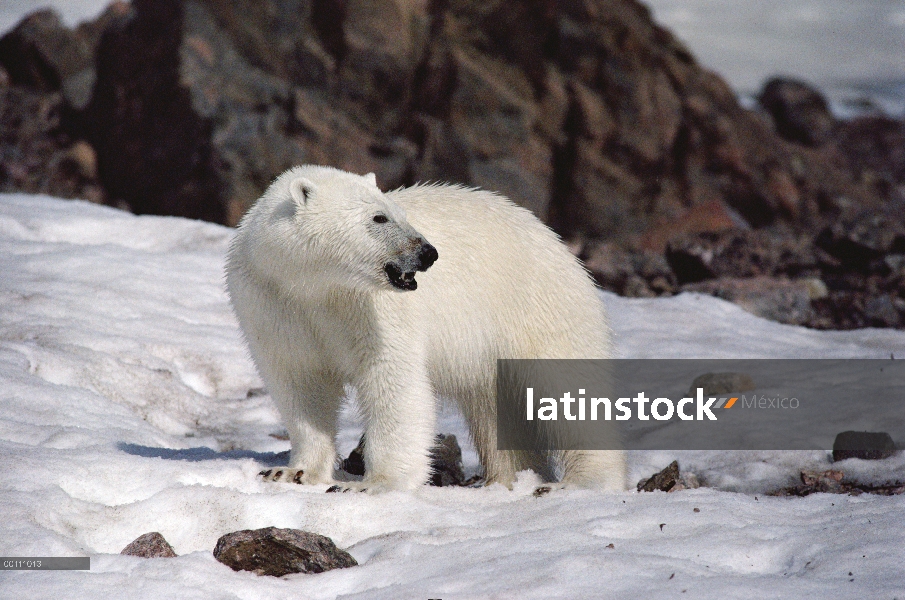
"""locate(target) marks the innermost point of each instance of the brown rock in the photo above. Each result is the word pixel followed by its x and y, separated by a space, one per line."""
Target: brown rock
pixel 446 461
pixel 881 311
pixel 443 156
pixel 865 445
pixel 772 298
pixel 663 481
pixel 610 264
pixel 154 149
pixel 860 240
pixel 800 112
pixel 553 106
pixel 721 383
pixel 36 155
pixel 874 148
pixel 383 44
pixel 354 464
pixel 41 52
pixel 150 545
pixel 782 187
pixel 490 107
pixel 740 253
pixel 278 552
pixel 708 217
pixel 833 482
pixel 84 158
pixel 691 260
pixel 626 272
pixel 595 197
pixel 827 481
pixel 594 120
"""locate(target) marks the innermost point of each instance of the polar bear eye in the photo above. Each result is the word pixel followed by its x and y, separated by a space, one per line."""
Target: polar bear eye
pixel 380 219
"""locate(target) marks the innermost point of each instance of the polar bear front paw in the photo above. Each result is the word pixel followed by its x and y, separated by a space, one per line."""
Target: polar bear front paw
pixel 284 474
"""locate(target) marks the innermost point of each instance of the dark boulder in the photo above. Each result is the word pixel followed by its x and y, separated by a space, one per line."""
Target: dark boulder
pixel 278 552
pixel 664 481
pixel 446 461
pixel 865 445
pixel 799 111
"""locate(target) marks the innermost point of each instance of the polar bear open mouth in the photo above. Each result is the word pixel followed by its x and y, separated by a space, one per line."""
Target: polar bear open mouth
pixel 399 279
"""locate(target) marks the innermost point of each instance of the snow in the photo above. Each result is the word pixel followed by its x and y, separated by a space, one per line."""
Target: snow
pixel 128 404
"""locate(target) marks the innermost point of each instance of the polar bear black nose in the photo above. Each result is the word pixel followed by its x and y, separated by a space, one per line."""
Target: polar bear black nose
pixel 426 257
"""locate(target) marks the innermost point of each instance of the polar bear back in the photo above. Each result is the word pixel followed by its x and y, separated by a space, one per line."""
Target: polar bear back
pixel 504 286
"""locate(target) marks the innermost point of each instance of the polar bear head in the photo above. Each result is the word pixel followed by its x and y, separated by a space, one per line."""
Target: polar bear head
pixel 344 231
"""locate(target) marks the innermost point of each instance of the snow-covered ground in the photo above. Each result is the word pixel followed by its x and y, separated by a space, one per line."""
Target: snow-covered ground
pixel 128 405
pixel 851 50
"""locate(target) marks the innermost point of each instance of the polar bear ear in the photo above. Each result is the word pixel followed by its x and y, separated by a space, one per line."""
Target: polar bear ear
pixel 372 179
pixel 301 190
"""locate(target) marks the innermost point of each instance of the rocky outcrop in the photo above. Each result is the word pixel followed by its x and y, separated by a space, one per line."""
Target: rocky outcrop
pixel 45 56
pixel 36 154
pixel 586 112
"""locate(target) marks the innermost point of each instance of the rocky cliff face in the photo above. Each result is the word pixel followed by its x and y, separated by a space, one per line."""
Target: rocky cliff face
pixel 584 111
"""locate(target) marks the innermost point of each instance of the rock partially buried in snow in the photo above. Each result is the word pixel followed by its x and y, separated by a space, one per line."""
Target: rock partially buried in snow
pixel 355 463
pixel 775 298
pixel 833 482
pixel 150 545
pixel 721 383
pixel 827 481
pixel 664 481
pixel 446 461
pixel 865 445
pixel 669 480
pixel 277 552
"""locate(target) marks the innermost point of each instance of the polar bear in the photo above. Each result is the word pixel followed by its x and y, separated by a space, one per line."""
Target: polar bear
pixel 322 277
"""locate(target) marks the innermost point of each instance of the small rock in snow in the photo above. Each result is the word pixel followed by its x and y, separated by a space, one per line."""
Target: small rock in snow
pixel 150 545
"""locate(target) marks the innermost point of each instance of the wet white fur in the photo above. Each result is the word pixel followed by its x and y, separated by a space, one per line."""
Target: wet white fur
pixel 307 285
